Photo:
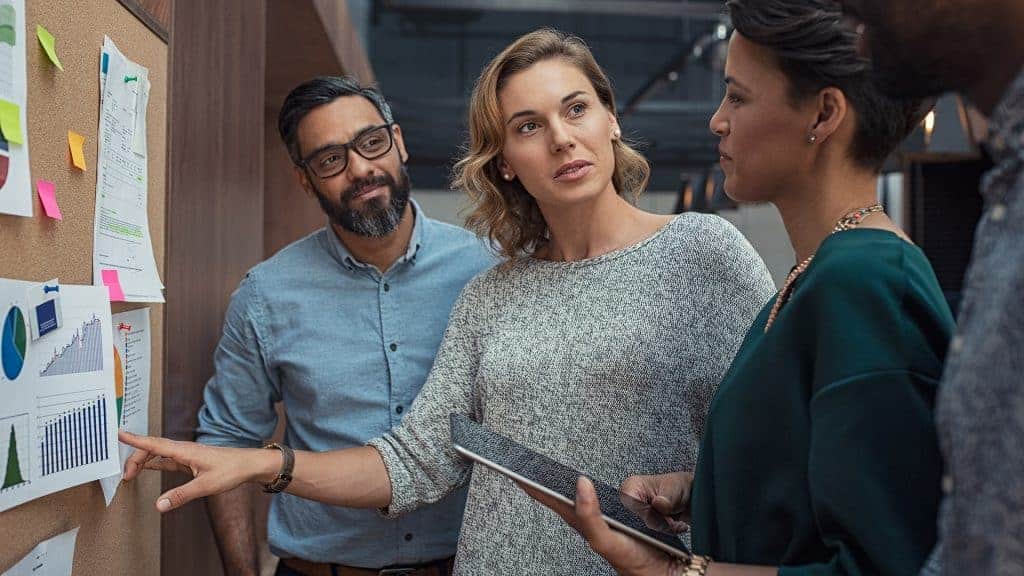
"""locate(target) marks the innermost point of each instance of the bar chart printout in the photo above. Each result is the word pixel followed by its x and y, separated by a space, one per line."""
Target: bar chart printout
pixel 72 430
pixel 58 408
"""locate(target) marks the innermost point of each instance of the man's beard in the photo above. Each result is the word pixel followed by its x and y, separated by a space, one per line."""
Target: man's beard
pixel 377 217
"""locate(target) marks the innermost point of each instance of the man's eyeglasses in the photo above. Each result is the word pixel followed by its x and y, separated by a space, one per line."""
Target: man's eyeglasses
pixel 371 144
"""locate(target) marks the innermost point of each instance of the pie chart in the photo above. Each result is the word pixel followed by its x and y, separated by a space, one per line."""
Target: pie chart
pixel 12 343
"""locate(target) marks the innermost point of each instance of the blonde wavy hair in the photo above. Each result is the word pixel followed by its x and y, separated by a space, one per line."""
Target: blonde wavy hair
pixel 504 211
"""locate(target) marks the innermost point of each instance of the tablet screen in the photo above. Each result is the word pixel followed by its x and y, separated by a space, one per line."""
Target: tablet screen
pixel 508 457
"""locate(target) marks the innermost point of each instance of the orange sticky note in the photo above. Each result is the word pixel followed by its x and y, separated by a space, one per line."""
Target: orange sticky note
pixel 48 196
pixel 75 142
pixel 113 284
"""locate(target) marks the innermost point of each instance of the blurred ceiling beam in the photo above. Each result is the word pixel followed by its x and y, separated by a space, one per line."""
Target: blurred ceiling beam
pixel 669 8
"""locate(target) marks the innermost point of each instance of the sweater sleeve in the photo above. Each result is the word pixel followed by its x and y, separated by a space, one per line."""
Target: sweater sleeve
pixel 418 454
pixel 735 284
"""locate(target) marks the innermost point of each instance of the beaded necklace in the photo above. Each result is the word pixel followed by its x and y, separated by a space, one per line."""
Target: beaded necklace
pixel 848 221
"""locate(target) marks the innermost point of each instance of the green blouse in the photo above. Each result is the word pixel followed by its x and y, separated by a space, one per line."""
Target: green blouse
pixel 820 454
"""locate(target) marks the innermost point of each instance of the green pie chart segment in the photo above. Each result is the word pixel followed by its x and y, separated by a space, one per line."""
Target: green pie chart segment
pixel 12 343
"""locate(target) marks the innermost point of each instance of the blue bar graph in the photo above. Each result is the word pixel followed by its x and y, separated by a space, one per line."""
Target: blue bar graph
pixel 74 437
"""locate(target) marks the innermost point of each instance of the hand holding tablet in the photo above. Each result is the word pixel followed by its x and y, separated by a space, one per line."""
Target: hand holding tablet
pixel 621 511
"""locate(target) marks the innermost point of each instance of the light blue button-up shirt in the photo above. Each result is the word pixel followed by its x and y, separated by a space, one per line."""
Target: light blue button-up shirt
pixel 346 349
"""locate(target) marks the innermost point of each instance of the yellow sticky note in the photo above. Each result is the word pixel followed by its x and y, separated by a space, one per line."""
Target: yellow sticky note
pixel 10 122
pixel 75 141
pixel 47 40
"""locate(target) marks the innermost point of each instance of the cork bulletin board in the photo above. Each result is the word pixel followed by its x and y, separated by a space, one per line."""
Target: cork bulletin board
pixel 124 538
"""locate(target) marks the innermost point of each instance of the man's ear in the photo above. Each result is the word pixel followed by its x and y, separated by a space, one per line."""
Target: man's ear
pixel 832 108
pixel 396 131
pixel 303 177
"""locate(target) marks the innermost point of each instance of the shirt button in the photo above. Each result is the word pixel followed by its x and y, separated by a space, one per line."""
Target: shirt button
pixel 947 485
pixel 399 410
pixel 998 212
pixel 408 537
pixel 394 346
pixel 957 344
pixel 387 287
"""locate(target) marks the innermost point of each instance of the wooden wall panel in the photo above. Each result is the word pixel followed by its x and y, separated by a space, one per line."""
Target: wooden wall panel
pixel 156 14
pixel 215 220
pixel 305 38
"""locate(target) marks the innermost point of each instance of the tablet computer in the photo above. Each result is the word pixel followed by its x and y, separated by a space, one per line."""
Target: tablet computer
pixel 622 512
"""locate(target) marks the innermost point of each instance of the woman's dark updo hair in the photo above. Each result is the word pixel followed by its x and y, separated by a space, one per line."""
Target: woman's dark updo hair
pixel 816 49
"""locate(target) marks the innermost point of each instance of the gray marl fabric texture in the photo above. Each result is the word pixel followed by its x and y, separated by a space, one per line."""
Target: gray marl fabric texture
pixel 607 365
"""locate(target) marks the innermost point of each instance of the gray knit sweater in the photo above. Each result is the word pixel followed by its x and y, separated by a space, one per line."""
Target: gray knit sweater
pixel 607 365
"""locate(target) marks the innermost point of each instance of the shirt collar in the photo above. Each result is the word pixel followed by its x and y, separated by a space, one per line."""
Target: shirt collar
pixel 1006 126
pixel 340 253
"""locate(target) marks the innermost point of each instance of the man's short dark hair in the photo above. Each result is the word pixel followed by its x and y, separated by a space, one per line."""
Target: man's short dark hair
pixel 816 49
pixel 317 92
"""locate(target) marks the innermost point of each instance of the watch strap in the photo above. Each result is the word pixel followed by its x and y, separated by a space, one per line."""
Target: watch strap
pixel 284 477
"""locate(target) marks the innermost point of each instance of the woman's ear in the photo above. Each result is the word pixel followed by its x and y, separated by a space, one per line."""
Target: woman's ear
pixel 507 173
pixel 832 108
pixel 613 125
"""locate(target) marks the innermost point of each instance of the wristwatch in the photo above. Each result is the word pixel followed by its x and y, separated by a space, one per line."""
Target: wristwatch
pixel 697 566
pixel 284 477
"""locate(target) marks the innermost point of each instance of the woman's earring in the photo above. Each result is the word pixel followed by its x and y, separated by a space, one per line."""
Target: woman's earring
pixel 507 176
pixel 812 138
pixel 616 134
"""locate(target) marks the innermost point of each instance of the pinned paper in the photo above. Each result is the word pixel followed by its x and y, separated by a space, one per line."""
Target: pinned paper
pixel 48 196
pixel 47 40
pixel 10 122
pixel 48 558
pixel 75 142
pixel 113 283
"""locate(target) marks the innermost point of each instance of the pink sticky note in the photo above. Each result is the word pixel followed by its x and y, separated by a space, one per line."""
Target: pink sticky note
pixel 48 196
pixel 113 283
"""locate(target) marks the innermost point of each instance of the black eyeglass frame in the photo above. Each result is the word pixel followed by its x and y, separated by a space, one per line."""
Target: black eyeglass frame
pixel 350 147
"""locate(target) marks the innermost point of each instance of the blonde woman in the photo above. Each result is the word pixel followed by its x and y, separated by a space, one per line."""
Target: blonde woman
pixel 600 342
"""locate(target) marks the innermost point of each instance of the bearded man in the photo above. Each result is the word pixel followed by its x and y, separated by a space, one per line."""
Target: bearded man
pixel 342 327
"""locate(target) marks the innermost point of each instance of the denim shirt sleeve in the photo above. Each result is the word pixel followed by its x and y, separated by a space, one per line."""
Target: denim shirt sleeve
pixel 238 408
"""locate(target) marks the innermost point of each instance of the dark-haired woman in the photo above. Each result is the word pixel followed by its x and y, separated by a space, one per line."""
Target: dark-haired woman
pixel 820 456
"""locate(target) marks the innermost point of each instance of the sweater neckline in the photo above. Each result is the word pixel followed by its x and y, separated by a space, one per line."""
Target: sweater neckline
pixel 607 256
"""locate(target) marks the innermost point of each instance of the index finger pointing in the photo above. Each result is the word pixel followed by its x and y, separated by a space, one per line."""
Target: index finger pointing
pixel 158 446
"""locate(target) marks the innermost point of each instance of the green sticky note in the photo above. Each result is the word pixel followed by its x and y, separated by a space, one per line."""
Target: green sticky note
pixel 10 122
pixel 47 40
